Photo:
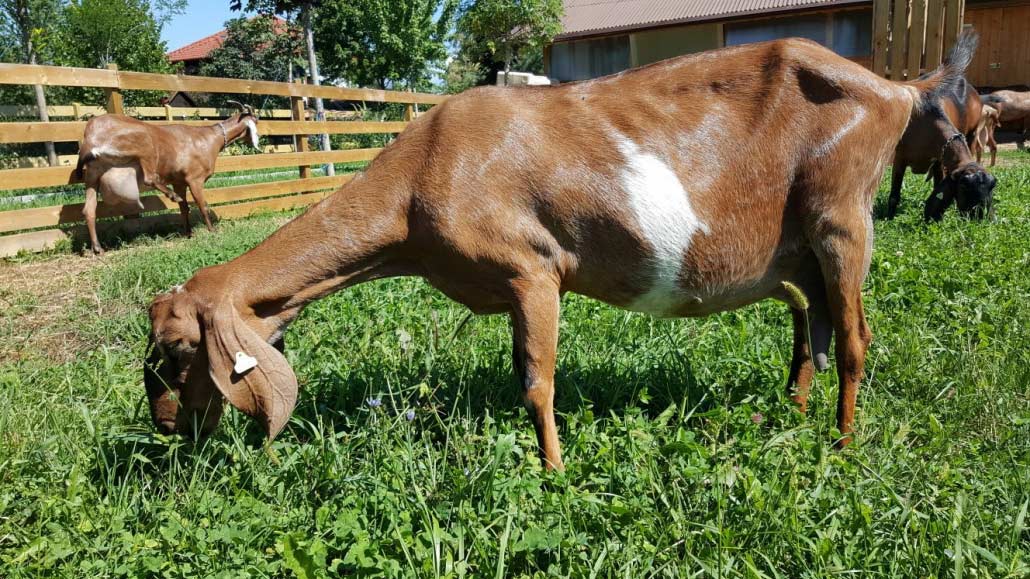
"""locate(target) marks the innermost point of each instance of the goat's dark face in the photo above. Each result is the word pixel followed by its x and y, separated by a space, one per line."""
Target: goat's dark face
pixel 974 191
pixel 182 397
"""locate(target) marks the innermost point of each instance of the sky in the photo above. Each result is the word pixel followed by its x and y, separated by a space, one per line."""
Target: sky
pixel 202 18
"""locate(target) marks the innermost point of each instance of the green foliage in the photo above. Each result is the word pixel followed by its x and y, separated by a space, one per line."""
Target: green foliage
pixel 685 457
pixel 26 35
pixel 91 34
pixel 256 49
pixel 505 28
pixel 96 33
pixel 383 43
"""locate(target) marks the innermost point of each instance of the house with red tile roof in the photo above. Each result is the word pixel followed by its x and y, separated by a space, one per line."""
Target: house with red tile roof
pixel 195 53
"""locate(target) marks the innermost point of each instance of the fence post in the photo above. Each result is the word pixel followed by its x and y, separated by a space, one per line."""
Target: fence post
pixel 76 111
pixel 297 106
pixel 168 112
pixel 114 96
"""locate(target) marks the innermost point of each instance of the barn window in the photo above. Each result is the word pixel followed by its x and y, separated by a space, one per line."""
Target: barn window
pixel 847 33
pixel 592 58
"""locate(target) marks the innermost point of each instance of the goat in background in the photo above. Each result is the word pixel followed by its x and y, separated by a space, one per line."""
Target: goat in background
pixel 121 156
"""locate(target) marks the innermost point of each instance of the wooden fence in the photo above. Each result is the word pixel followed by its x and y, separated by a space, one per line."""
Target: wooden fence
pixel 51 224
pixel 912 36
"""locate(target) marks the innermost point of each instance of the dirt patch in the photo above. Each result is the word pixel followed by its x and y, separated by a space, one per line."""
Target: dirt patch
pixel 38 300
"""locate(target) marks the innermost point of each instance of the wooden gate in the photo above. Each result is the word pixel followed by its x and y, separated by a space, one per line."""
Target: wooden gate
pixel 912 36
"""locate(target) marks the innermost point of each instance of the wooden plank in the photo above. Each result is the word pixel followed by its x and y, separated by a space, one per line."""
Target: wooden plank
pixel 301 141
pixel 41 240
pixel 57 75
pixel 243 162
pixel 934 33
pixel 952 23
pixel 881 31
pixel 37 217
pixel 899 39
pixel 71 131
pixel 916 38
pixel 34 241
pixel 14 179
pixel 115 102
pixel 125 80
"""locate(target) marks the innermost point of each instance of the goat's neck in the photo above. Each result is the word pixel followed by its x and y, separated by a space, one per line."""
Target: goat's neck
pixel 954 153
pixel 228 131
pixel 358 234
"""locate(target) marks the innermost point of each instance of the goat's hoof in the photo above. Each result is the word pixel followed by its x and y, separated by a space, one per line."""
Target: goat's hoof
pixel 97 252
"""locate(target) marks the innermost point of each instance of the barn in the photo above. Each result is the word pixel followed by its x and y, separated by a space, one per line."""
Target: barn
pixel 601 37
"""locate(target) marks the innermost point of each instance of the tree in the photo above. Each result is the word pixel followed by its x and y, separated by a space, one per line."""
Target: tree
pixel 259 48
pixel 384 43
pixel 28 21
pixel 96 33
pixel 504 27
pixel 306 9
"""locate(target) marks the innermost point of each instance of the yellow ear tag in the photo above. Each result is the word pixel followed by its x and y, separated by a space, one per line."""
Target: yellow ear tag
pixel 244 363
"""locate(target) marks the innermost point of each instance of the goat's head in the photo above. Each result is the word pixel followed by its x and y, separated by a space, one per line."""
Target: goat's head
pixel 201 351
pixel 972 189
pixel 248 118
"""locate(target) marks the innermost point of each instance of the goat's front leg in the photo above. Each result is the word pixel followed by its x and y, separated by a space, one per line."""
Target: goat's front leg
pixel 197 188
pixel 535 332
pixel 89 211
pixel 184 210
pixel 897 177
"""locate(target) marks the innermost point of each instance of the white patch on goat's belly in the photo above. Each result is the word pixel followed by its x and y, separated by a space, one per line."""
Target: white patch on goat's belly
pixel 667 222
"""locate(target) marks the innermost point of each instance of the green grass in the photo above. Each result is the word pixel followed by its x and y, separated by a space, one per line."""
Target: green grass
pixel 685 457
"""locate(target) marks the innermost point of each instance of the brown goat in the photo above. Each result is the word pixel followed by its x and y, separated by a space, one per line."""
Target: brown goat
pixel 1013 109
pixel 624 189
pixel 919 149
pixel 985 134
pixel 121 156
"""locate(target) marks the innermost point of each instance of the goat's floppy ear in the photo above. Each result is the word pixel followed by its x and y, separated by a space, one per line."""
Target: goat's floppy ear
pixel 252 375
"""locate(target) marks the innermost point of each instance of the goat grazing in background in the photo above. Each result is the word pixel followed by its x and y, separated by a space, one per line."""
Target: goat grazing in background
pixel 692 186
pixel 919 147
pixel 985 134
pixel 121 156
pixel 1013 110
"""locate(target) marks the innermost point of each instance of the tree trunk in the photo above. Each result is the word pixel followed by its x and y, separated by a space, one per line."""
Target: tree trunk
pixel 309 37
pixel 507 63
pixel 44 116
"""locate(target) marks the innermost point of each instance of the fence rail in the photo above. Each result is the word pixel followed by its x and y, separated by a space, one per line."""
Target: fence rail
pixel 38 228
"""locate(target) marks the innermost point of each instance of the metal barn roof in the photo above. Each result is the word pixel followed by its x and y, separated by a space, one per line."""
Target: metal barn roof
pixel 595 17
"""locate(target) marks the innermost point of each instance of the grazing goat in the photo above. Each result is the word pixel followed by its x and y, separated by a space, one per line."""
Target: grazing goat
pixel 985 134
pixel 688 187
pixel 919 148
pixel 121 156
pixel 1013 109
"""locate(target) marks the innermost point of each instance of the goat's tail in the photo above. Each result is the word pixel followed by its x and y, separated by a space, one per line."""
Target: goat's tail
pixel 950 76
pixel 78 174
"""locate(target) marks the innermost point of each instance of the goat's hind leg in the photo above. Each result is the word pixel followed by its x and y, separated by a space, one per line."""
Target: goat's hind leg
pixel 843 247
pixel 89 211
pixel 184 210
